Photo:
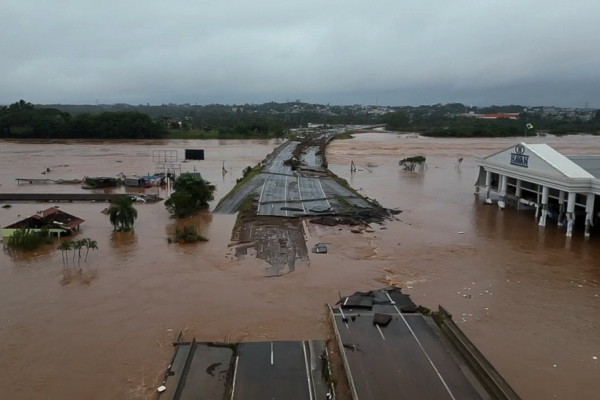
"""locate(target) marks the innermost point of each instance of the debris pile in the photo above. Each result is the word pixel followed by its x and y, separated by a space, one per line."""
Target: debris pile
pixel 358 217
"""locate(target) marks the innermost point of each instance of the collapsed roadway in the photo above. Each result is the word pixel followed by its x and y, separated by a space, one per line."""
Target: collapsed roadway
pixel 294 182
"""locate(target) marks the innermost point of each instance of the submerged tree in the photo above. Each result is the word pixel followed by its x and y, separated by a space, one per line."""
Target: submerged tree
pixel 90 244
pixel 186 234
pixel 413 163
pixel 24 239
pixel 65 247
pixel 122 214
pixel 192 193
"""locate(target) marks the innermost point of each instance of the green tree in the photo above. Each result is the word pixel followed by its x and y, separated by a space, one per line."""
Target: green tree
pixel 412 163
pixel 64 247
pixel 181 204
pixel 122 214
pixel 90 244
pixel 192 193
pixel 396 120
pixel 24 239
pixel 75 245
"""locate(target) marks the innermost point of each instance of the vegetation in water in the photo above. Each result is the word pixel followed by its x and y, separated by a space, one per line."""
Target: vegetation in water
pixel 413 163
pixel 192 194
pixel 186 234
pixel 122 213
pixel 76 246
pixel 26 239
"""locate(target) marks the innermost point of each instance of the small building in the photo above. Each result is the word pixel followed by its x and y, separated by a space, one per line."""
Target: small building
pixel 58 222
pixel 536 176
pixel 99 182
pixel 136 181
pixel 512 116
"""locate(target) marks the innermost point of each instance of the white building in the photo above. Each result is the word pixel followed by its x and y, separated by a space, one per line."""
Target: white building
pixel 537 176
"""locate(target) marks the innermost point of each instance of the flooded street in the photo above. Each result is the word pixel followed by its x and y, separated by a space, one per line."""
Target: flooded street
pixel 527 296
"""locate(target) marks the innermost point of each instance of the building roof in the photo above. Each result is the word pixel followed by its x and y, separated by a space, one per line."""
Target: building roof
pixel 590 163
pixel 50 216
pixel 560 162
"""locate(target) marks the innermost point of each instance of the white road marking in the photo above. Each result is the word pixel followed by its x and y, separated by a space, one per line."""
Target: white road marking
pixel 426 355
pixel 381 333
pixel 392 302
pixel 271 353
pixel 285 188
pixel 321 186
pixel 300 194
pixel 261 194
pixel 344 318
pixel 310 394
pixel 234 375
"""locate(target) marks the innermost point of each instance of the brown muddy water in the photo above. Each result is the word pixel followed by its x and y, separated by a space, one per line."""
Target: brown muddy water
pixel 533 309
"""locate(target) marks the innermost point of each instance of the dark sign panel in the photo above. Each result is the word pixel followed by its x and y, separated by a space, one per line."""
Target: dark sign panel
pixel 519 160
pixel 194 154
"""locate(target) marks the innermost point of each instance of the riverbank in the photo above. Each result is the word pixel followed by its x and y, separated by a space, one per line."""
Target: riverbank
pixel 198 134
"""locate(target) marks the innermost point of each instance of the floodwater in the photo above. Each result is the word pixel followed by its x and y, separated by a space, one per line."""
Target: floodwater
pixel 532 302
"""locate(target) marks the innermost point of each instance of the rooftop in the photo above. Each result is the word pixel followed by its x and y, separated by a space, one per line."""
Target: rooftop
pixel 48 218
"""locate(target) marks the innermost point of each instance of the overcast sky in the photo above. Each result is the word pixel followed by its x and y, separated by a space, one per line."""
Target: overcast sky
pixel 396 52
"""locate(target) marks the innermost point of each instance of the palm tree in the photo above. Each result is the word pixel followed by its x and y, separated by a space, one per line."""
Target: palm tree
pixel 64 246
pixel 79 245
pixel 122 214
pixel 75 245
pixel 90 244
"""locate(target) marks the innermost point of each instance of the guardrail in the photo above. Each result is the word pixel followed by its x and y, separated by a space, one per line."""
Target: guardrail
pixel 338 339
pixel 491 380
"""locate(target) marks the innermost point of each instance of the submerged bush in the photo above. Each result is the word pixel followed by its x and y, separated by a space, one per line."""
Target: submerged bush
pixel 187 234
pixel 25 239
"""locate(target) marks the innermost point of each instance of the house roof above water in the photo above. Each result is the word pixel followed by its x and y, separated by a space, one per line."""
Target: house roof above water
pixel 46 218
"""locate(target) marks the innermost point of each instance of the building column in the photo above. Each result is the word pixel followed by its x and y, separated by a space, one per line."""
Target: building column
pixel 477 174
pixel 589 212
pixel 545 193
pixel 518 193
pixel 488 184
pixel 503 186
pixel 570 213
pixel 561 207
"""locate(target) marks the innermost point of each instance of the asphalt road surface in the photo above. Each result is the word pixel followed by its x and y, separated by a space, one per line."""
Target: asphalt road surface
pixel 282 192
pixel 274 371
pixel 282 189
pixel 403 360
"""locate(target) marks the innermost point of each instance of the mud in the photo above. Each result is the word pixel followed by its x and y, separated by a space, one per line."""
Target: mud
pixel 106 333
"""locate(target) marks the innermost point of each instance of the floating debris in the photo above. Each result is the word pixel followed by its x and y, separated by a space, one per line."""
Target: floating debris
pixel 319 248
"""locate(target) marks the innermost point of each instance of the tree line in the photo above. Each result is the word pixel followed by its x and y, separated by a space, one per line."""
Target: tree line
pixel 22 120
pixel 459 126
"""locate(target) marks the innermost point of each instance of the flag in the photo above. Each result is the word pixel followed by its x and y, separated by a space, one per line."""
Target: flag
pixel 529 126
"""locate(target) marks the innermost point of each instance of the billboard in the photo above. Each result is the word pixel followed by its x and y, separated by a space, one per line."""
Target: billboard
pixel 194 154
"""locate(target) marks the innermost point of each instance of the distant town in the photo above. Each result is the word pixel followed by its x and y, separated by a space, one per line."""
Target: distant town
pixel 298 107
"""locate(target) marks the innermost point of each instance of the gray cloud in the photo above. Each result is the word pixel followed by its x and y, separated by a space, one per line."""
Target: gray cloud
pixel 338 51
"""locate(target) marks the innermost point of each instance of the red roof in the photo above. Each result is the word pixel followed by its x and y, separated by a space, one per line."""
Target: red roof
pixel 501 115
pixel 64 219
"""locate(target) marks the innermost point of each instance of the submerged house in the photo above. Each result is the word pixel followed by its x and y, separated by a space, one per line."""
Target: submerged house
pixel 136 181
pixel 58 222
pixel 99 182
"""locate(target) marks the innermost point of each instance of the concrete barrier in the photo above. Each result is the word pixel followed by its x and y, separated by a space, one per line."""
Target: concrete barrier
pixel 491 380
pixel 338 339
